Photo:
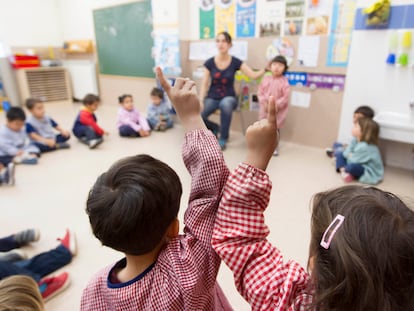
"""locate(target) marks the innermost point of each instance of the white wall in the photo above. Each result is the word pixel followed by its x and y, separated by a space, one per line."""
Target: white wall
pixel 30 23
pixel 370 81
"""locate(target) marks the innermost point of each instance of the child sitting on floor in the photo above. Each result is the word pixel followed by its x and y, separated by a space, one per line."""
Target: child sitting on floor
pixel 86 127
pixel 14 145
pixel 361 254
pixel 158 113
pixel 130 123
pixel 42 129
pixel 140 197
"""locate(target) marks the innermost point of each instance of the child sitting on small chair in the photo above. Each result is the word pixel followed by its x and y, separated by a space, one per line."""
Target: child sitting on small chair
pixel 158 113
pixel 42 129
pixel 130 123
pixel 86 127
pixel 14 145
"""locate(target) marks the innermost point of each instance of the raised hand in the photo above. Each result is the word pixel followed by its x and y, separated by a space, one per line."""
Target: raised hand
pixel 262 138
pixel 183 96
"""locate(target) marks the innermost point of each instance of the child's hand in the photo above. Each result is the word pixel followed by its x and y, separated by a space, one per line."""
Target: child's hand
pixel 184 98
pixel 65 133
pixel 261 138
pixel 106 133
pixel 50 143
pixel 144 133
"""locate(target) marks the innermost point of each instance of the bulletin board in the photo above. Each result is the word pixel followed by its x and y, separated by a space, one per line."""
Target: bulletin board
pixel 316 125
pixel 123 39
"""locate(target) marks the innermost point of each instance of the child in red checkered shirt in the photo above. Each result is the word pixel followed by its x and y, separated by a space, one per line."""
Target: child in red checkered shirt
pixel 133 208
pixel 361 254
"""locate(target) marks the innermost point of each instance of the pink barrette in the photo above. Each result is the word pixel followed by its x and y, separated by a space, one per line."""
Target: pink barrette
pixel 331 230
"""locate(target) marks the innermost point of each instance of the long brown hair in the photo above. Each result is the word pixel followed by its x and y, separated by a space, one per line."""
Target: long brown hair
pixel 369 130
pixel 20 293
pixel 369 264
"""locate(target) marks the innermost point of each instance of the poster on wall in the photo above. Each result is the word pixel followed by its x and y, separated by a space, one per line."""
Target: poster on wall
pixel 225 16
pixel 318 17
pixel 206 11
pixel 246 18
pixel 294 17
pixel 339 42
pixel 270 16
pixel 166 49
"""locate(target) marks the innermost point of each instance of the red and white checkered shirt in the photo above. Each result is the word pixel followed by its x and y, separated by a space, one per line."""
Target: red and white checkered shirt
pixel 239 238
pixel 184 275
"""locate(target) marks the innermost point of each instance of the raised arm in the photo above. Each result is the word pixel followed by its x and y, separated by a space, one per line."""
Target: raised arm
pixel 202 157
pixel 240 234
pixel 252 74
pixel 204 84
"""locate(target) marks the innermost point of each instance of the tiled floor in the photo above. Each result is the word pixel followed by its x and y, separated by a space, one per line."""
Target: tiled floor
pixel 52 195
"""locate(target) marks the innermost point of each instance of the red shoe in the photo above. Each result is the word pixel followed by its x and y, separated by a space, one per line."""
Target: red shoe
pixel 69 241
pixel 54 285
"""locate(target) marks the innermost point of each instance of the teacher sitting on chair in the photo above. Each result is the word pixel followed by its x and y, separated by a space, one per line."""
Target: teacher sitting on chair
pixel 217 88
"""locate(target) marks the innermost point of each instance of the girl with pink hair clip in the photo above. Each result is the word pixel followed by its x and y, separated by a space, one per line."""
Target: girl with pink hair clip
pixel 361 254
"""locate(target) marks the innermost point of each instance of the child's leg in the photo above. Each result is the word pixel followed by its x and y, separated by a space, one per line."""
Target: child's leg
pixel 46 263
pixel 355 169
pixel 210 105
pixel 91 134
pixel 61 139
pixel 44 148
pixel 340 161
pixel 8 243
pixel 127 131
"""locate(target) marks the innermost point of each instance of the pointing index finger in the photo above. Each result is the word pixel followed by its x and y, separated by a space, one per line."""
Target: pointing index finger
pixel 164 83
pixel 271 110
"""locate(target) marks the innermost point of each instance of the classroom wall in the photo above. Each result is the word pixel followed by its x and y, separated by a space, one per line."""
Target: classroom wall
pixel 30 23
pixel 370 81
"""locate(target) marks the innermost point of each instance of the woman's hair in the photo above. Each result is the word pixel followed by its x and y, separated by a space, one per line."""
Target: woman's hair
pixel 369 264
pixel 20 293
pixel 226 35
pixel 369 130
pixel 131 206
pixel 89 99
pixel 123 97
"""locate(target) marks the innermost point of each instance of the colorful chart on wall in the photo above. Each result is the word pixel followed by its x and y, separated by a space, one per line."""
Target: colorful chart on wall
pixel 246 18
pixel 225 14
pixel 283 47
pixel 206 12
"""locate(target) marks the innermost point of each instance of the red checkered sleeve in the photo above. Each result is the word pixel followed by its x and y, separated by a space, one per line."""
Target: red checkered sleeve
pixel 239 238
pixel 205 163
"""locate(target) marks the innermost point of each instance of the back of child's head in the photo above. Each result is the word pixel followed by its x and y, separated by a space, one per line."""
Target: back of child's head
pixel 131 206
pixel 280 59
pixel 32 101
pixel 157 93
pixel 123 97
pixel 20 293
pixel 89 99
pixel 369 263
pixel 15 113
pixel 369 130
pixel 365 111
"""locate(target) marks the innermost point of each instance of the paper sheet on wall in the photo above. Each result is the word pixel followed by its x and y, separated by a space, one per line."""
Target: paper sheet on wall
pixel 205 50
pixel 300 99
pixel 308 51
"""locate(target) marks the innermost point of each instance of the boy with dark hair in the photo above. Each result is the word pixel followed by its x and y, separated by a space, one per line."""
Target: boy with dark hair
pixel 42 129
pixel 13 140
pixel 133 208
pixel 158 112
pixel 86 127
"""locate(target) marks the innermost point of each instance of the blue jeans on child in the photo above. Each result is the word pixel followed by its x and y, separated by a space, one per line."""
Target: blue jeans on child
pixel 86 133
pixel 59 139
pixel 8 243
pixel 355 169
pixel 226 105
pixel 38 266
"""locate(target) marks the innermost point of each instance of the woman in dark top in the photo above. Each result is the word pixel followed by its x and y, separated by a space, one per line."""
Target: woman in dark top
pixel 217 89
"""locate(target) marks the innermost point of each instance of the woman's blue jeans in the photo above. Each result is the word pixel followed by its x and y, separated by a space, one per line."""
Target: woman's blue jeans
pixel 226 105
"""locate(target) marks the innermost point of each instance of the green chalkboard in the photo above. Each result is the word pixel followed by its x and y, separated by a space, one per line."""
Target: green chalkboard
pixel 123 39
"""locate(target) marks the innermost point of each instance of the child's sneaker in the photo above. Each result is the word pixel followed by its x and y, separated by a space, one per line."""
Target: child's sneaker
pixel 329 152
pixel 51 286
pixel 26 236
pixel 10 179
pixel 222 142
pixel 347 177
pixel 93 143
pixel 69 242
pixel 276 152
pixel 13 255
